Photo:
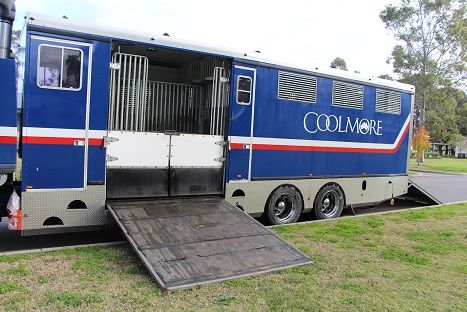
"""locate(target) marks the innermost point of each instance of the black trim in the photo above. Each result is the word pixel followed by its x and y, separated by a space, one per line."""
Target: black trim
pixel 96 182
pixel 329 177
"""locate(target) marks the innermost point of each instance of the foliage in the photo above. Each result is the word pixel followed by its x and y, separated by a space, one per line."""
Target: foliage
pixel 421 142
pixel 339 63
pixel 386 76
pixel 442 118
pixel 431 55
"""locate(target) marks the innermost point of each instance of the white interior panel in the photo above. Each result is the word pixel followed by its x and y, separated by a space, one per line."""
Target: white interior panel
pixel 195 150
pixel 138 149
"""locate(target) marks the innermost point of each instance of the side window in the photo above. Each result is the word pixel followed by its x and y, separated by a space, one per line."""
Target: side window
pixel 59 68
pixel 243 90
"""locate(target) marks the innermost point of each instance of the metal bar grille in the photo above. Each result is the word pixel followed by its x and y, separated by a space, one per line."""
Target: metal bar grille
pixel 347 95
pixel 388 102
pixel 296 87
pixel 218 101
pixel 172 106
pixel 139 105
pixel 128 96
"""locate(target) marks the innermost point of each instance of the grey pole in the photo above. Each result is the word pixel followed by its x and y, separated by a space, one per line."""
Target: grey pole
pixel 7 16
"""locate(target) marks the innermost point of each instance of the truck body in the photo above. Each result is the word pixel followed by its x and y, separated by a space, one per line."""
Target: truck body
pixel 109 114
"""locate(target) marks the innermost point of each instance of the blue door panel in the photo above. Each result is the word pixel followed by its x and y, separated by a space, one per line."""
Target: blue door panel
pixel 240 125
pixel 238 164
pixel 7 115
pixel 99 108
pixel 96 165
pixel 52 166
pixel 52 158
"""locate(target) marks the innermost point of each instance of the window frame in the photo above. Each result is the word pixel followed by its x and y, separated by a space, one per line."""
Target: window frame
pixel 238 90
pixel 61 67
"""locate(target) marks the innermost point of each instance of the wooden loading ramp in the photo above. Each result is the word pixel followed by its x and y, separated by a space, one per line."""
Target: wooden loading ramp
pixel 439 187
pixel 186 242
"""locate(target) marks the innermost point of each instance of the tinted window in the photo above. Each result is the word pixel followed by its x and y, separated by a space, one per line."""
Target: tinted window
pixel 71 69
pixel 243 97
pixel 59 68
pixel 50 66
pixel 244 90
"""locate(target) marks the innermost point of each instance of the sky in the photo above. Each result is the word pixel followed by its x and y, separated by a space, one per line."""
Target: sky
pixel 311 32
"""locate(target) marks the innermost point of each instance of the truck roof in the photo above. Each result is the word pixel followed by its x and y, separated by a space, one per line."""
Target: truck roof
pixel 70 26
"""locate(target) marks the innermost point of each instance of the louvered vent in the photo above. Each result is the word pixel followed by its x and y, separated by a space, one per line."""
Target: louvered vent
pixel 297 87
pixel 388 102
pixel 347 95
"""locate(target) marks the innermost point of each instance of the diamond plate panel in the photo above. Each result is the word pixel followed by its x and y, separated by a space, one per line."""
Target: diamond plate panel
pixel 39 205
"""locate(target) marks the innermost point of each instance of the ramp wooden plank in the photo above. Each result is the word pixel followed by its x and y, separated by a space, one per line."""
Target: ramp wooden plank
pixel 187 242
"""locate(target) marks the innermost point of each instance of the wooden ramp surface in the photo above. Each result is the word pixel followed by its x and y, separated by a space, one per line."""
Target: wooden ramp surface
pixel 186 242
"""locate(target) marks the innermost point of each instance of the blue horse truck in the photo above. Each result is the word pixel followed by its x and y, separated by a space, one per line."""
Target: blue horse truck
pixel 115 115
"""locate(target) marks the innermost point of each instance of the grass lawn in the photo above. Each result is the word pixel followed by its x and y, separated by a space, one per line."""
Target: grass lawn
pixel 404 261
pixel 454 165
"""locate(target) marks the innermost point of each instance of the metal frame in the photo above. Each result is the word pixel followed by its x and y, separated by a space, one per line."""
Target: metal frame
pixel 219 101
pixel 128 92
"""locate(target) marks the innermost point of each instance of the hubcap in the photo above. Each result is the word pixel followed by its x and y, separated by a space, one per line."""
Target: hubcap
pixel 284 207
pixel 330 203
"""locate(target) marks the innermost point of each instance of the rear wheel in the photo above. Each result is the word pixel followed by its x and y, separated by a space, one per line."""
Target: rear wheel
pixel 284 205
pixel 329 202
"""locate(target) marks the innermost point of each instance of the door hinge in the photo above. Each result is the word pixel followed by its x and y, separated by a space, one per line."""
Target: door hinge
pixel 220 159
pixel 108 140
pixel 221 143
pixel 111 158
pixel 115 66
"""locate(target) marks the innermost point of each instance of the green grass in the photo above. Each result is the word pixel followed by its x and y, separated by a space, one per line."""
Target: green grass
pixel 449 165
pixel 404 261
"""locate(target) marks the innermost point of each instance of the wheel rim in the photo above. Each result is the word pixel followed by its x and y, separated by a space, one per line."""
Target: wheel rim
pixel 330 203
pixel 284 207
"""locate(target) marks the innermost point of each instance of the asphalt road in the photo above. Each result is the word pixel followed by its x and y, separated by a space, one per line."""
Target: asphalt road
pixel 13 241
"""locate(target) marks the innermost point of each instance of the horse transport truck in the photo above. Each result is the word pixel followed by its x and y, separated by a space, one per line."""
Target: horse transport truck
pixel 110 118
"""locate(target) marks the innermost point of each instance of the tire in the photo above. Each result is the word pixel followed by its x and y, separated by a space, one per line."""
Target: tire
pixel 329 202
pixel 284 205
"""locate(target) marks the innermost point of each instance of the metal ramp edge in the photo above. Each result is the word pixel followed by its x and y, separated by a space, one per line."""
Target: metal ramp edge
pixel 188 242
pixel 424 192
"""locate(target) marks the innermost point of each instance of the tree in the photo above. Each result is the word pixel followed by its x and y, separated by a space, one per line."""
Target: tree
pixel 386 76
pixel 442 118
pixel 421 141
pixel 432 53
pixel 339 63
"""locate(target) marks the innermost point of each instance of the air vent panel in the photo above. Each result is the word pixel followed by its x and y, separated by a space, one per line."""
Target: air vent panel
pixel 297 87
pixel 388 102
pixel 347 95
